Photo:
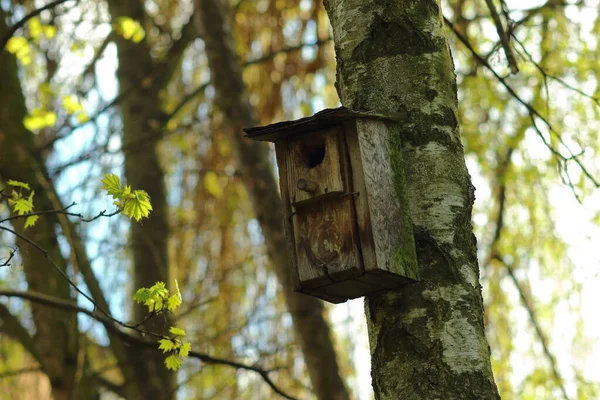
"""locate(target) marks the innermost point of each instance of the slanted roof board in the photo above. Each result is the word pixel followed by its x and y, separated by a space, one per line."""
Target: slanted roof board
pixel 321 120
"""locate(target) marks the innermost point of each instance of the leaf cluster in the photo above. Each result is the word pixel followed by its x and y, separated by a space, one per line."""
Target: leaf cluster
pixel 159 299
pixel 21 202
pixel 133 203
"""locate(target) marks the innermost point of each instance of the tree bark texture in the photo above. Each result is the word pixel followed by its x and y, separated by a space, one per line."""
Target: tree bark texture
pixel 427 340
pixel 141 116
pixel 311 328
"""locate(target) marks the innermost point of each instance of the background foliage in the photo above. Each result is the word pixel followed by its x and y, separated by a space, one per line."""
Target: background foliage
pixel 532 148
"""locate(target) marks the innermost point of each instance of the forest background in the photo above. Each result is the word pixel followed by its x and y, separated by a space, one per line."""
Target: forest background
pixel 83 83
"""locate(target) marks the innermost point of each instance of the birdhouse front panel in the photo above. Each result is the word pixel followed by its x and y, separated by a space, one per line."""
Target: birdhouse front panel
pixel 325 240
pixel 346 219
pixel 313 166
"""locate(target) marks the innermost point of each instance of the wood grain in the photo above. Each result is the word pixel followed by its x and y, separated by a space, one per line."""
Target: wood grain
pixel 327 174
pixel 325 243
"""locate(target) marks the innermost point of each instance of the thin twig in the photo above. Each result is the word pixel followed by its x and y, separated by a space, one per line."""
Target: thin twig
pixel 510 57
pixel 73 306
pixel 536 325
pixel 26 18
pixel 533 113
pixel 65 212
pixel 133 326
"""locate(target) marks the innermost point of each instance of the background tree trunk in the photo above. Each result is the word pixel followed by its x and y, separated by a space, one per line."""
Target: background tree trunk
pixel 253 164
pixel 56 339
pixel 141 114
pixel 427 340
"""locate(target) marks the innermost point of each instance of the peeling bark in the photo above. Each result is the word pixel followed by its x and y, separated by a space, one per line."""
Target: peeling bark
pixel 427 340
pixel 253 164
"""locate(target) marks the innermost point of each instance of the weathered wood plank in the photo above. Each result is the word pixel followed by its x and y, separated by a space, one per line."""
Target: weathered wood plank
pixel 288 230
pixel 326 248
pixel 315 159
pixel 394 244
pixel 357 179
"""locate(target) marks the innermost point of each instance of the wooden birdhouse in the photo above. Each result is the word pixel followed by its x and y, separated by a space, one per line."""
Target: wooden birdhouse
pixel 348 234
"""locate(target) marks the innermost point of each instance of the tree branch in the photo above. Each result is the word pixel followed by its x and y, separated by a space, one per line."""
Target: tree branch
pixel 510 56
pixel 74 307
pixel 533 113
pixel 536 325
pixel 26 18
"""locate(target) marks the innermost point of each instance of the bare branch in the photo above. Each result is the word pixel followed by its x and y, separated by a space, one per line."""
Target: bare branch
pixel 534 114
pixel 26 18
pixel 526 301
pixel 206 358
pixel 65 212
pixel 510 57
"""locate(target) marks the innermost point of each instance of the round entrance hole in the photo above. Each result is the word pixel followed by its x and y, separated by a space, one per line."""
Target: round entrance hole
pixel 313 152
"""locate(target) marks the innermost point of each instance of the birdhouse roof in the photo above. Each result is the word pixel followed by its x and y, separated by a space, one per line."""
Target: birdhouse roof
pixel 321 120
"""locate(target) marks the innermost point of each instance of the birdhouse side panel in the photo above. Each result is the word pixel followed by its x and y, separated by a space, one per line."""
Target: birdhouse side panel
pixel 388 210
pixel 358 188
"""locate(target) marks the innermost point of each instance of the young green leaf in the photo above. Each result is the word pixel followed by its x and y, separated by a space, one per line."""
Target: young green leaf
pixel 138 205
pixel 174 300
pixel 12 182
pixel 21 205
pixel 130 29
pixel 166 345
pixel 39 119
pixel 177 331
pixel 112 184
pixel 173 362
pixel 31 220
pixel 184 350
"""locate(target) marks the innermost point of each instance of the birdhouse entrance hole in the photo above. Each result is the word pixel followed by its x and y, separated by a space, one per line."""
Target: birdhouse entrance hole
pixel 313 152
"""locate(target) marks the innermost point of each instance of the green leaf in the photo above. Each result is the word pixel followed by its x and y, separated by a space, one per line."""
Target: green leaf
pixel 173 362
pixel 39 119
pixel 184 350
pixel 112 185
pixel 138 205
pixel 177 331
pixel 212 185
pixel 31 220
pixel 19 46
pixel 16 44
pixel 71 104
pixel 24 185
pixel 141 295
pixel 159 290
pixel 166 345
pixel 130 29
pixel 21 205
pixel 175 300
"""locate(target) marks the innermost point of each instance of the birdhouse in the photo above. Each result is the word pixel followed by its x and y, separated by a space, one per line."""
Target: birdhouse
pixel 346 220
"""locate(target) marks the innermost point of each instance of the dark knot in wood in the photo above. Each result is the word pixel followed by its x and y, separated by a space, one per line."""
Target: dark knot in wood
pixel 307 186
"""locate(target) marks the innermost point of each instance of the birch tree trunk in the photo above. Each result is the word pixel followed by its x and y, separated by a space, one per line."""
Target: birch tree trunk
pixel 427 340
pixel 311 328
